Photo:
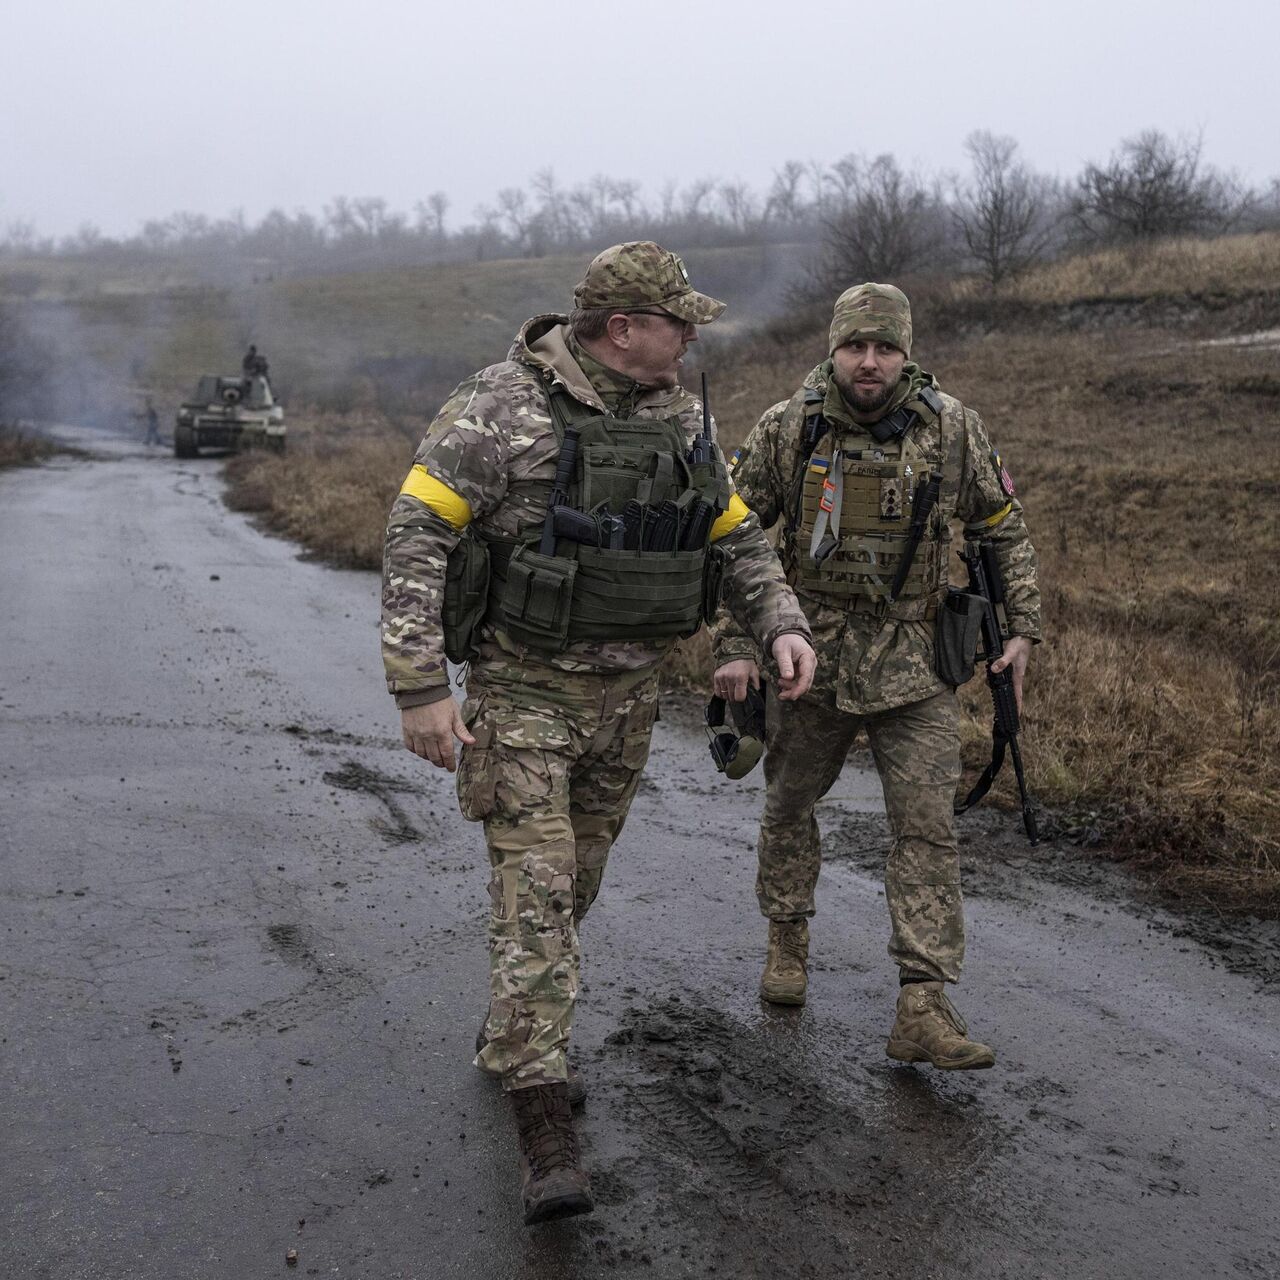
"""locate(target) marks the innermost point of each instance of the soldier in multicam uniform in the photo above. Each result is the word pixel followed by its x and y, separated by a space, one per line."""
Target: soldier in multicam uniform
pixel 562 691
pixel 840 463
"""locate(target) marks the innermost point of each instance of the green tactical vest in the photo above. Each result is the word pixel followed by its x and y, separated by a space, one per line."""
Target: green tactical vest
pixel 591 593
pixel 880 484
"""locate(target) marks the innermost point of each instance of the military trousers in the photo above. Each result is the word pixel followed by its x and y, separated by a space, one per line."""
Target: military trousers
pixel 917 755
pixel 556 763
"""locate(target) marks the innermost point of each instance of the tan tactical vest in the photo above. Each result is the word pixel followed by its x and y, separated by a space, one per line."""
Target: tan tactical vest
pixel 873 500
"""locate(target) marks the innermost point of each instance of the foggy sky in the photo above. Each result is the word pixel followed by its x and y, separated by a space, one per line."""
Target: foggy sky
pixel 113 114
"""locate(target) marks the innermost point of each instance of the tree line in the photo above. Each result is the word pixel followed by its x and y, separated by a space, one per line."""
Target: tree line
pixel 865 216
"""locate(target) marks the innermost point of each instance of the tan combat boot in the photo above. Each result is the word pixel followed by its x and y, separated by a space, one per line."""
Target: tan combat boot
pixel 929 1028
pixel 786 977
pixel 552 1182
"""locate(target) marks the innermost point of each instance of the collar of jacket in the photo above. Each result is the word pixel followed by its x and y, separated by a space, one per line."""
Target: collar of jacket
pixel 543 344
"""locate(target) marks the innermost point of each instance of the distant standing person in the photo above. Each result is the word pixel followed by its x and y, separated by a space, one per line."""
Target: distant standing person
pixel 153 423
pixel 842 465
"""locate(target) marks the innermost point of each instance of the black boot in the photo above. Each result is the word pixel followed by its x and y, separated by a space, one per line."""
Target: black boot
pixel 552 1182
pixel 577 1085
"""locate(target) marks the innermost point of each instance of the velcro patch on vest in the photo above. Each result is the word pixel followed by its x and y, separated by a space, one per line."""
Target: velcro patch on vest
pixel 819 466
pixel 890 498
pixel 1002 474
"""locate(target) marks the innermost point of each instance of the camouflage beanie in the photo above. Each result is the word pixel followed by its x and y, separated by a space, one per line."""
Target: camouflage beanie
pixel 873 312
pixel 640 274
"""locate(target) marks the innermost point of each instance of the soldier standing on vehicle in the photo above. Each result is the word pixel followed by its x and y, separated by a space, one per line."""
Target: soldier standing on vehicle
pixel 254 364
pixel 586 525
pixel 842 464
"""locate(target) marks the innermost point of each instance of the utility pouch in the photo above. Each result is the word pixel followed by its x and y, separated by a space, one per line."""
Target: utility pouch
pixel 466 597
pixel 712 582
pixel 538 598
pixel 956 636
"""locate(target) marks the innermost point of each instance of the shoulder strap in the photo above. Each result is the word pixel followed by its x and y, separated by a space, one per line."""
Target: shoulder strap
pixel 813 426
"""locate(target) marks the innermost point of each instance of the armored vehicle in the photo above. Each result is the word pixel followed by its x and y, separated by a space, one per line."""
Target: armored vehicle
pixel 229 413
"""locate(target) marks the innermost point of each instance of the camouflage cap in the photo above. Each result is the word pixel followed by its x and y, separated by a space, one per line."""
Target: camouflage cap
pixel 878 312
pixel 642 274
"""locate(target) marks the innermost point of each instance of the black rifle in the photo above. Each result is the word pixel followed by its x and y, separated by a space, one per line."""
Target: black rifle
pixel 560 489
pixel 702 515
pixel 984 580
pixel 922 505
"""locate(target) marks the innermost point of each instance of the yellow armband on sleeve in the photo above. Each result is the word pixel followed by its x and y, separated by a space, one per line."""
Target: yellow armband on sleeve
pixel 451 507
pixel 991 521
pixel 731 518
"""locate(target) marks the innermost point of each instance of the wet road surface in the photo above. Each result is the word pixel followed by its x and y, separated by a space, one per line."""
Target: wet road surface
pixel 242 963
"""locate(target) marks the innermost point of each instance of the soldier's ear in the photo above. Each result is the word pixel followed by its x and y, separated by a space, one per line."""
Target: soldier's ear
pixel 618 329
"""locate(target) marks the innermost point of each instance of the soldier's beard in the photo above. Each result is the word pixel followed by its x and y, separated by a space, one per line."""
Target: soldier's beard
pixel 862 402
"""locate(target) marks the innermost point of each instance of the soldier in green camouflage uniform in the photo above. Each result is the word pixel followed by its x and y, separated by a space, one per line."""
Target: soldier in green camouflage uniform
pixel 876 659
pixel 554 741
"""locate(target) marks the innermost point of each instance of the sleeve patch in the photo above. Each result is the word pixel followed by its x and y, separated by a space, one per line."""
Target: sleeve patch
pixel 1002 474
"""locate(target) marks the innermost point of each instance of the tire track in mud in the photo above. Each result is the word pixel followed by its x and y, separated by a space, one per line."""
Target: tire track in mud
pixel 742 1130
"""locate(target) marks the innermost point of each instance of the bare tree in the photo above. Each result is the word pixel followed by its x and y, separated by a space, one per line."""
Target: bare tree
pixel 1154 186
pixel 784 203
pixel 879 222
pixel 739 205
pixel 1003 211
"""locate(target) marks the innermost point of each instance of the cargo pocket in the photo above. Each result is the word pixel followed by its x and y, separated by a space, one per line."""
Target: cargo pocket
pixel 538 598
pixel 475 772
pixel 956 636
pixel 635 749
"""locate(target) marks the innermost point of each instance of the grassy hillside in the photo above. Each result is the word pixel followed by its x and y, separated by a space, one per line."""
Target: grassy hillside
pixel 395 339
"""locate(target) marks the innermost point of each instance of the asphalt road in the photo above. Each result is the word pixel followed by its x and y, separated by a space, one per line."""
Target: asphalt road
pixel 242 963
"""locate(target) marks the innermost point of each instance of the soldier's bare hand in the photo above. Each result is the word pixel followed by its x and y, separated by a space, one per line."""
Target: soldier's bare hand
pixel 429 731
pixel 1017 649
pixel 731 680
pixel 796 663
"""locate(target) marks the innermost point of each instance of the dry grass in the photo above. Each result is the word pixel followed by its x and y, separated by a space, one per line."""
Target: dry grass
pixel 1149 466
pixel 331 492
pixel 19 448
pixel 1230 265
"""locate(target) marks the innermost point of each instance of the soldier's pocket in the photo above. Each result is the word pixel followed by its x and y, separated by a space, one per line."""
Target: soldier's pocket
pixel 517 762
pixel 475 770
pixel 635 749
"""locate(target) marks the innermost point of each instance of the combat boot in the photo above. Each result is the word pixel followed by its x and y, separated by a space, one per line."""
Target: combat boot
pixel 929 1028
pixel 552 1182
pixel 786 976
pixel 577 1085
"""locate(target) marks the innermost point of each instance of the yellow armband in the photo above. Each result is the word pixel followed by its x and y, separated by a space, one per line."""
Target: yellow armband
pixel 991 521
pixel 451 507
pixel 731 518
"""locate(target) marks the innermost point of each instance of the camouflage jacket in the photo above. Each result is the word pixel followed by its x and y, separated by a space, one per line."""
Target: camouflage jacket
pixel 868 662
pixel 490 456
